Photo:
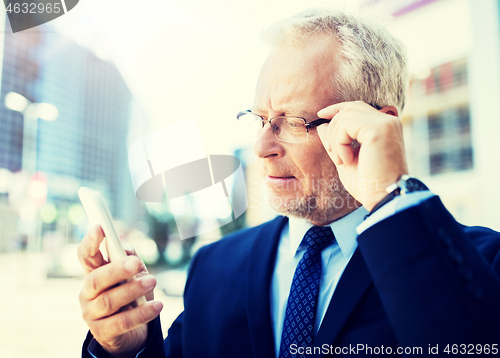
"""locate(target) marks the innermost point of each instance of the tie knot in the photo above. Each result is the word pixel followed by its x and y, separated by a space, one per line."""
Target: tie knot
pixel 319 236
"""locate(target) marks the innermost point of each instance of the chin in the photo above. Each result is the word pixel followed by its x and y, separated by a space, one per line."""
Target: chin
pixel 310 207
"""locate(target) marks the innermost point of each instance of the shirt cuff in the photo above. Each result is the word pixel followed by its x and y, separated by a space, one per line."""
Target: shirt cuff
pixel 97 351
pixel 399 203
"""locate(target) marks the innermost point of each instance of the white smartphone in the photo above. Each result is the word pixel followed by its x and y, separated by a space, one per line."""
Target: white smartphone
pixel 98 214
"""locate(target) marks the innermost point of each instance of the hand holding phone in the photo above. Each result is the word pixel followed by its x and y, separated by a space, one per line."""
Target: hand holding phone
pixel 98 214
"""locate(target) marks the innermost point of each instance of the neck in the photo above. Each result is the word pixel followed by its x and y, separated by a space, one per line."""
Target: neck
pixel 337 215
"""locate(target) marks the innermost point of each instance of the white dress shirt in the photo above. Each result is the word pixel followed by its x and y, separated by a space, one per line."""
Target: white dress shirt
pixel 334 258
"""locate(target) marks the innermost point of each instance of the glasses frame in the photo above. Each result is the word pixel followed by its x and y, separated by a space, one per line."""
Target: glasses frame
pixel 307 124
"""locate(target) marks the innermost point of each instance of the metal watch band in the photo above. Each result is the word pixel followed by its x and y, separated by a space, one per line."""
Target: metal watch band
pixel 403 186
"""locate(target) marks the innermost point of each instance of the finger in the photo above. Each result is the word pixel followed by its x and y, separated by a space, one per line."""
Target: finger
pixel 343 144
pixel 108 276
pixel 89 254
pixel 126 321
pixel 114 299
pixel 346 154
pixel 325 134
pixel 129 249
pixel 331 111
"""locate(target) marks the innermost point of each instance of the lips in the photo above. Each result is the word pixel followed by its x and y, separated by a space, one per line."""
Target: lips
pixel 279 180
pixel 282 184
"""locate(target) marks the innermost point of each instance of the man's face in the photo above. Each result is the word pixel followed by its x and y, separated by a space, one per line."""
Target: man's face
pixel 300 177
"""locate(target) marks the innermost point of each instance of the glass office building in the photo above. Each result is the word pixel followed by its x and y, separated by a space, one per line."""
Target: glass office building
pixel 85 145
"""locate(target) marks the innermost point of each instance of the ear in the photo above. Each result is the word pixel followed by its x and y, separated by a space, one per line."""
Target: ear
pixel 391 110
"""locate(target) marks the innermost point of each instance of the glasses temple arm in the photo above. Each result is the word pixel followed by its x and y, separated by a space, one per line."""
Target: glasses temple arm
pixel 317 122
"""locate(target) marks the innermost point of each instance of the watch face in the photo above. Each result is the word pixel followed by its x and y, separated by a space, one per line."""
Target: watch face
pixel 413 184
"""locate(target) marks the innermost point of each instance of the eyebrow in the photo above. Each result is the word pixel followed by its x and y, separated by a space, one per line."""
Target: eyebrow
pixel 294 110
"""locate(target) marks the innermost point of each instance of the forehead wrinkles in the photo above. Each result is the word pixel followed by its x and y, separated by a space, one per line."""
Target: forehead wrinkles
pixel 280 94
pixel 292 79
pixel 292 86
pixel 286 96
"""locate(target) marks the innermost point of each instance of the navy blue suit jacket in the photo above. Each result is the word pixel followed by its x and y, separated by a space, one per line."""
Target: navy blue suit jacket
pixel 417 279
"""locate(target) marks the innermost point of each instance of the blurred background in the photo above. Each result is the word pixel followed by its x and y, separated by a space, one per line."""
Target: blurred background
pixel 76 92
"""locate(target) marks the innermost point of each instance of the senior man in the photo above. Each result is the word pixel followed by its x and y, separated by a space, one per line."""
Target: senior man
pixel 348 268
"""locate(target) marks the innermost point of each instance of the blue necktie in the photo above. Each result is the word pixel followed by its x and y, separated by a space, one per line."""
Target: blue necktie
pixel 298 326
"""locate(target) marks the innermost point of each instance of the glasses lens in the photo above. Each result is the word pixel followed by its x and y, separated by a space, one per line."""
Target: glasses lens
pixel 250 122
pixel 290 129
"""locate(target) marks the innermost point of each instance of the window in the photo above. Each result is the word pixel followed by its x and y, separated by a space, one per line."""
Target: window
pixel 450 144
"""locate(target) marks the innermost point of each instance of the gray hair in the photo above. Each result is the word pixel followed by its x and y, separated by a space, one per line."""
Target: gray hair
pixel 373 68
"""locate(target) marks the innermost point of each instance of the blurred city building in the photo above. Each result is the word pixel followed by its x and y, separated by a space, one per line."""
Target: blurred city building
pixel 452 115
pixel 85 145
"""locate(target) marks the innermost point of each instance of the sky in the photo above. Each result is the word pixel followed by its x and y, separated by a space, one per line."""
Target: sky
pixel 201 58
pixel 183 59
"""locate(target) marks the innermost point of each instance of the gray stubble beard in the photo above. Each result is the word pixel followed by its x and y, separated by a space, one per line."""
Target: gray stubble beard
pixel 323 204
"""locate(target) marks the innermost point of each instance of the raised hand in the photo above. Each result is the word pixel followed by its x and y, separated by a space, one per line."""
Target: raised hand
pixel 107 307
pixel 367 147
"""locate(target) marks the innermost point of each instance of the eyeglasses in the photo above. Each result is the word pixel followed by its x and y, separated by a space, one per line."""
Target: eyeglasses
pixel 288 129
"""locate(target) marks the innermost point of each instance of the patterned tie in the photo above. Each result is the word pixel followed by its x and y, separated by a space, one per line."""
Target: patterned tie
pixel 298 327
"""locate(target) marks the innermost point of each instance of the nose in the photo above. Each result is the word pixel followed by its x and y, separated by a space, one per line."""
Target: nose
pixel 267 145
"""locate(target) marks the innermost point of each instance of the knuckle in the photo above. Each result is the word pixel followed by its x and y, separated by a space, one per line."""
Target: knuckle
pixel 124 322
pixel 131 288
pixel 81 296
pixel 143 315
pixel 86 316
pixel 105 302
pixel 116 271
pixel 92 283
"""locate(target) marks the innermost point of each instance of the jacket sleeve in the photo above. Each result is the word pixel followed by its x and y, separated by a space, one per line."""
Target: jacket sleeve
pixel 439 281
pixel 173 342
pixel 154 347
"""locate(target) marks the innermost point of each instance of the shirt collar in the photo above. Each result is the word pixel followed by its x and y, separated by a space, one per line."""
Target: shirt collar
pixel 344 230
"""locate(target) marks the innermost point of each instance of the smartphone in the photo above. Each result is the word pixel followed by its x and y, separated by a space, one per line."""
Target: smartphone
pixel 98 214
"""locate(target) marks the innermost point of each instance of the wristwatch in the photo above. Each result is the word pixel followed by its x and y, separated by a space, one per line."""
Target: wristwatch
pixel 405 185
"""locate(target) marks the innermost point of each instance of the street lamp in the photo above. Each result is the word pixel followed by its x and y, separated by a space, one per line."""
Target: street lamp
pixel 31 112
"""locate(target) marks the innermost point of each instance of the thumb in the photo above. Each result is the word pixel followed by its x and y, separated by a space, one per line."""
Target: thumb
pixel 325 140
pixel 89 254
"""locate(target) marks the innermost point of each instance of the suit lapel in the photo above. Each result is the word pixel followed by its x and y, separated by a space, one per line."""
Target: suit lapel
pixel 262 261
pixel 352 285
